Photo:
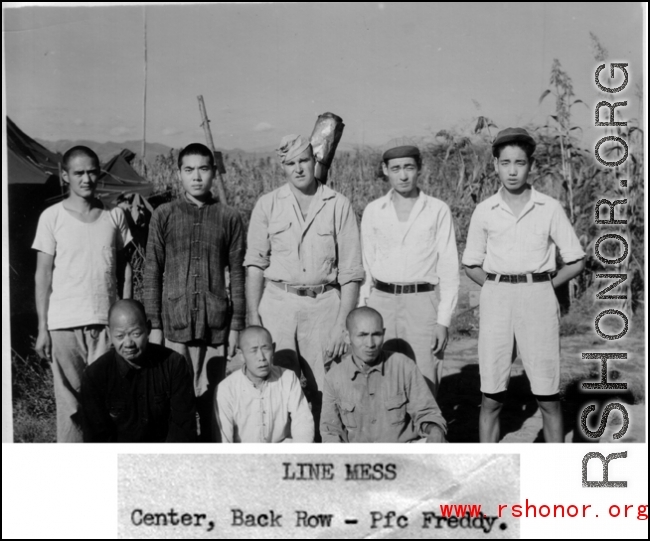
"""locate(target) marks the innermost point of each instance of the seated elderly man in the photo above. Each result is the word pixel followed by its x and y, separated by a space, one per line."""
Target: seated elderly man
pixel 262 403
pixel 137 392
pixel 377 396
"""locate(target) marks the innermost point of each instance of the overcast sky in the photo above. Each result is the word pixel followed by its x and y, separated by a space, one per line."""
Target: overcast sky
pixel 389 70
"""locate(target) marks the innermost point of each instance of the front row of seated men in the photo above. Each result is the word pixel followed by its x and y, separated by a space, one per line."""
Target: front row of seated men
pixel 142 392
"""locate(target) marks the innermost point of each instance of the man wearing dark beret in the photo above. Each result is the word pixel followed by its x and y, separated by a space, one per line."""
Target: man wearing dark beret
pixel 409 253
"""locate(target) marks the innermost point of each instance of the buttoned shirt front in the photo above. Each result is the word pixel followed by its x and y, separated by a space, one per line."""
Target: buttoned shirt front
pixel 150 403
pixel 389 403
pixel 188 249
pixel 422 249
pixel 270 413
pixel 503 243
pixel 321 249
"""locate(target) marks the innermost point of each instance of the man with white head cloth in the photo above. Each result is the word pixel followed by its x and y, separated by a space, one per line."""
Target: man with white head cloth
pixel 303 269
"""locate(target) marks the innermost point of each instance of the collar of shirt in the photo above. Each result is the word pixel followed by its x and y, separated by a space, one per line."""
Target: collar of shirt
pixel 323 191
pixel 274 375
pixel 535 199
pixel 387 208
pixel 124 367
pixel 322 195
pixel 352 368
pixel 187 201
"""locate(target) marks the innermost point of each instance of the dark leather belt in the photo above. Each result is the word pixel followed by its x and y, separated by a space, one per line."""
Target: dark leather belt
pixel 519 278
pixel 399 289
pixel 305 291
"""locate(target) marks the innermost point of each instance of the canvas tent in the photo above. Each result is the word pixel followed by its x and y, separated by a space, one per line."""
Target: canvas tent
pixel 33 184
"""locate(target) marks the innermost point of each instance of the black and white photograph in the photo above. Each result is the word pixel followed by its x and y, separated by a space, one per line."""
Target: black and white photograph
pixel 329 223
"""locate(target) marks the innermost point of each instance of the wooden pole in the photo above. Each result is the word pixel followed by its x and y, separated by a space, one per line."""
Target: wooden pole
pixel 205 123
pixel 144 98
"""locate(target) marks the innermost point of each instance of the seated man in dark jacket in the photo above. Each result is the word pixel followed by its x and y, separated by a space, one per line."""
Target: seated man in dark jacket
pixel 137 392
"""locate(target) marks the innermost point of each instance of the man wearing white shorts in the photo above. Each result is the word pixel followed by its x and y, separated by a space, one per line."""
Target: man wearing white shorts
pixel 510 252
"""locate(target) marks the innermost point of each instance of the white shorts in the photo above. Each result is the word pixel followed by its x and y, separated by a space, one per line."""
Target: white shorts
pixel 526 315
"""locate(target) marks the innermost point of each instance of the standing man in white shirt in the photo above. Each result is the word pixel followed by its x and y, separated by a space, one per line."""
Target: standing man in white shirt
pixel 409 250
pixel 510 252
pixel 79 245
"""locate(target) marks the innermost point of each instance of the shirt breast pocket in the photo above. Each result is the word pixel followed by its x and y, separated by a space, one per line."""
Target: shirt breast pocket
pixel 280 236
pixel 501 239
pixel 346 410
pixel 326 242
pixel 396 407
pixel 537 240
pixel 422 236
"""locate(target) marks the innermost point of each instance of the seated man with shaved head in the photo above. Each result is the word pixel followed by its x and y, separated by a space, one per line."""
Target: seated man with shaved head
pixel 377 396
pixel 137 392
pixel 262 403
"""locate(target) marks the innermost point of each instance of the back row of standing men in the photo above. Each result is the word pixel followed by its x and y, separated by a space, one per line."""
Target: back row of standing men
pixel 300 278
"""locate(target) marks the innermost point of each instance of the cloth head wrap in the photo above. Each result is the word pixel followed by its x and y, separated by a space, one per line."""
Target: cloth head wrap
pixel 292 146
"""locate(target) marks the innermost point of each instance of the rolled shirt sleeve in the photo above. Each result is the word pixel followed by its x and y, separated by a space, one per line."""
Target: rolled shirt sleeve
pixel 258 253
pixel 350 266
pixel 476 245
pixel 564 236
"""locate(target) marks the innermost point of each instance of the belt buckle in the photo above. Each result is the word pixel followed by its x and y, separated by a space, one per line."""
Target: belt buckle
pixel 399 289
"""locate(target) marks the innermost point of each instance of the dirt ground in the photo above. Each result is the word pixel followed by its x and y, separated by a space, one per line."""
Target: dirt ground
pixel 521 421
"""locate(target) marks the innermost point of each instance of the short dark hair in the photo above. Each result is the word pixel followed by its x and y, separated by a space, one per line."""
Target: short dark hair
pixel 195 149
pixel 75 151
pixel 526 147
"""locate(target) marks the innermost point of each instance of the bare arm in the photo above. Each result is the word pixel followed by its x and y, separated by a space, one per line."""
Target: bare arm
pixel 476 274
pixel 254 291
pixel 43 279
pixel 127 292
pixel 349 296
pixel 569 271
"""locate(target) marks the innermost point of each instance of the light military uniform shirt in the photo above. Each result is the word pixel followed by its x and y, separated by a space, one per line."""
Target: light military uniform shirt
pixel 321 249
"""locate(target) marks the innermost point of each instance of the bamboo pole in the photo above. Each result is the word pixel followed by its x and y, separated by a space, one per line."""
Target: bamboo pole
pixel 205 124
pixel 144 97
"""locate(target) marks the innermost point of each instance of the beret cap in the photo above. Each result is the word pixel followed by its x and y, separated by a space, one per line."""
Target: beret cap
pixel 404 151
pixel 510 135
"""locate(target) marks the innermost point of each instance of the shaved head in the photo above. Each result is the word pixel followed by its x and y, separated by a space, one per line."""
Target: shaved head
pixel 129 329
pixel 74 152
pixel 363 312
pixel 257 348
pixel 127 307
pixel 253 331
pixel 365 334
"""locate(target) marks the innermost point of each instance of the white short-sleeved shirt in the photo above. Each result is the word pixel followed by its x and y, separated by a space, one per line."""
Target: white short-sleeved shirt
pixel 84 282
pixel 503 243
